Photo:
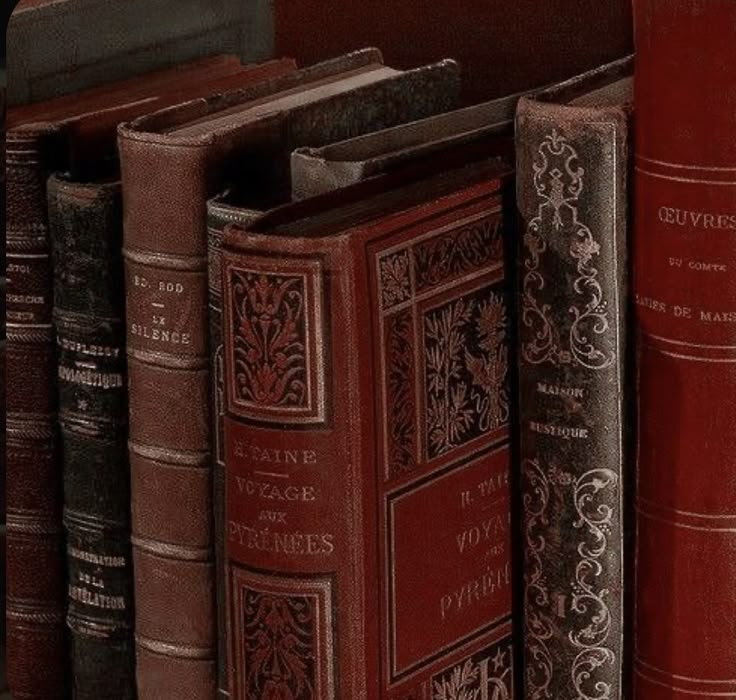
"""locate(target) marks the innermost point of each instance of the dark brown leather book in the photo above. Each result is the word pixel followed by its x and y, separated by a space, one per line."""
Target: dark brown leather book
pixel 75 134
pixel 431 89
pixel 367 443
pixel 173 162
pixel 572 189
pixel 685 294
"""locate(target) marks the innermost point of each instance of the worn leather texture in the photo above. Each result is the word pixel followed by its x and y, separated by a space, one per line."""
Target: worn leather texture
pixel 167 247
pixel 685 257
pixel 77 135
pixel 176 628
pixel 86 122
pixel 315 170
pixel 348 340
pixel 85 228
pixel 35 575
pixel 572 192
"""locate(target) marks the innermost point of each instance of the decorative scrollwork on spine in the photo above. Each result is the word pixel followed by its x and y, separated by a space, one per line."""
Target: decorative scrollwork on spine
pixel 595 519
pixel 539 627
pixel 559 184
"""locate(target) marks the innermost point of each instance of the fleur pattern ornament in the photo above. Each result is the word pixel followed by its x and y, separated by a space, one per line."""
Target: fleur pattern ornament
pixel 484 676
pixel 395 279
pixel 458 252
pixel 401 405
pixel 582 336
pixel 466 368
pixel 280 650
pixel 270 345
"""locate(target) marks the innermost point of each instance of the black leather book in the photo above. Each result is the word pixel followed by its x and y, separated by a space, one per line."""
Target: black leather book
pixel 86 234
pixel 572 186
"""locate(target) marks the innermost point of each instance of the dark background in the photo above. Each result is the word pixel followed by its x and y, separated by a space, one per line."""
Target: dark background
pixel 503 45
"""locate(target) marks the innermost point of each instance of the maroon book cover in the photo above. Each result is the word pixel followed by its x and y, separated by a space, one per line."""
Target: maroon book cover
pixel 367 445
pixel 685 284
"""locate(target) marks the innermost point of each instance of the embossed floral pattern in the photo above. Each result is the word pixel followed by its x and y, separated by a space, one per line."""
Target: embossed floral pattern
pixel 395 280
pixel 466 362
pixel 401 406
pixel 280 649
pixel 485 676
pixel 270 345
pixel 458 252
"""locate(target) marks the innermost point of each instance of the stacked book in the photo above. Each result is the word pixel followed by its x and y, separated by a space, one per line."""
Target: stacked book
pixel 324 386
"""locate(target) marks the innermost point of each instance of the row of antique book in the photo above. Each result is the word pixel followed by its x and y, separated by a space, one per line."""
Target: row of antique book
pixel 372 436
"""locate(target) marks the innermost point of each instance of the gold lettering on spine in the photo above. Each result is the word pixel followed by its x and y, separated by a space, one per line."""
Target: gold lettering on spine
pixel 95 599
pixel 274 542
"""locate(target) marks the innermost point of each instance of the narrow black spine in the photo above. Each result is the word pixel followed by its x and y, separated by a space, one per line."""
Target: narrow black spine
pixel 86 235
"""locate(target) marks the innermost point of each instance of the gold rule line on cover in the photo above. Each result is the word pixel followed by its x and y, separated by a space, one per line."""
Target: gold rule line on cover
pixel 683 166
pixel 689 180
pixel 650 667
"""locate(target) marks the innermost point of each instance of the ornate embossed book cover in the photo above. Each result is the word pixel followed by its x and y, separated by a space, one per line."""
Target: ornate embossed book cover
pixel 264 181
pixel 75 133
pixel 685 293
pixel 367 444
pixel 572 187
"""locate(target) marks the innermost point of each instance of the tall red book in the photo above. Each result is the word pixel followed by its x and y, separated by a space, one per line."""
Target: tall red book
pixel 685 284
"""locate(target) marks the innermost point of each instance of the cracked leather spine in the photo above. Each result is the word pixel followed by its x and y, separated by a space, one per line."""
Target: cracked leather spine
pixel 572 174
pixel 85 226
pixel 165 252
pixel 35 575
pixel 685 295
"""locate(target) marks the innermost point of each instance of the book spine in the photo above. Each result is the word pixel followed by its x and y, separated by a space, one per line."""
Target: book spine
pixel 572 167
pixel 35 576
pixel 292 455
pixel 85 226
pixel 3 486
pixel 165 249
pixel 218 217
pixel 685 295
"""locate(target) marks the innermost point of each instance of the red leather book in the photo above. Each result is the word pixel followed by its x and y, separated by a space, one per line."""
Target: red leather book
pixel 685 284
pixel 74 134
pixel 367 444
